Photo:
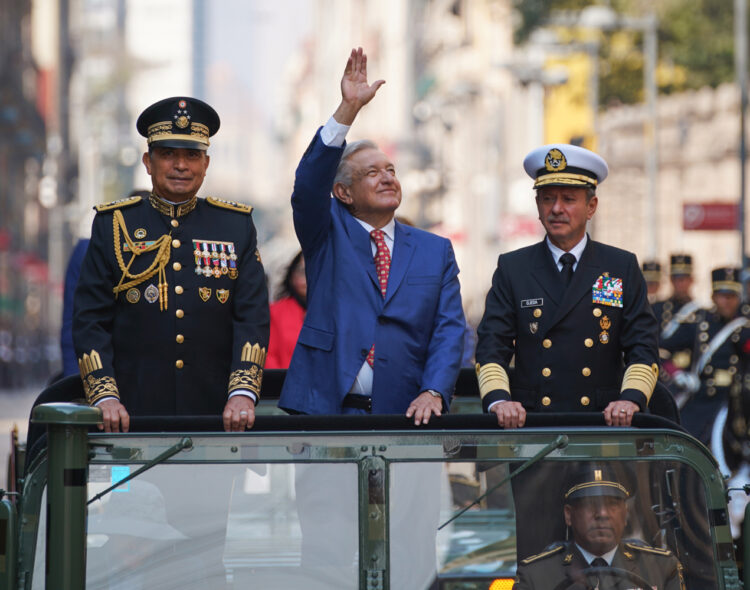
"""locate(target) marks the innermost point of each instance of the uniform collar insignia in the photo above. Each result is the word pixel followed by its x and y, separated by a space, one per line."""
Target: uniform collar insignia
pixel 172 210
pixel 568 559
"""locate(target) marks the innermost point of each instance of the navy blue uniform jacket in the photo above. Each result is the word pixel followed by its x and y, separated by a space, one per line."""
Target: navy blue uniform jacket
pixel 417 329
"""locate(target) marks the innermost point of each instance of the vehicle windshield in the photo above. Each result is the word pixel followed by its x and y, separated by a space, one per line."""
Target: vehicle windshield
pixel 447 510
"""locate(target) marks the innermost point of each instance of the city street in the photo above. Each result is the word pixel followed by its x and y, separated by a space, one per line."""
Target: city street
pixel 15 406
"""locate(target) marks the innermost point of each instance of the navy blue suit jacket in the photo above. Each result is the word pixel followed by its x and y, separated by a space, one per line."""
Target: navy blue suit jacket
pixel 417 329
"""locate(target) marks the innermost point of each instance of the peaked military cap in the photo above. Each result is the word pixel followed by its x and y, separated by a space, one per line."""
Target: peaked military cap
pixel 563 164
pixel 680 264
pixel 651 271
pixel 726 280
pixel 179 122
pixel 595 479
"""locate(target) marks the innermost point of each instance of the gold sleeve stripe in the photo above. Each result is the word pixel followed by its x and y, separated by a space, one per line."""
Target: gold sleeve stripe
pixel 641 377
pixel 253 354
pixel 491 377
pixel 249 379
pixel 89 363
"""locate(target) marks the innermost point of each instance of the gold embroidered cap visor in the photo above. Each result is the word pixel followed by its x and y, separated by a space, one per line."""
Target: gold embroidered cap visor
pixel 563 164
pixel 179 122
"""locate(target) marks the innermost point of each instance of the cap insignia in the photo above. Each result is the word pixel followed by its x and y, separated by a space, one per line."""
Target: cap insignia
pixel 555 161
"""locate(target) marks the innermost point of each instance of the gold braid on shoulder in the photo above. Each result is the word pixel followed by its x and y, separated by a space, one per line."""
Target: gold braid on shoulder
pixel 163 246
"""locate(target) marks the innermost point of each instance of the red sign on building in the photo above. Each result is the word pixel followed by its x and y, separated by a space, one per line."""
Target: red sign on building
pixel 710 216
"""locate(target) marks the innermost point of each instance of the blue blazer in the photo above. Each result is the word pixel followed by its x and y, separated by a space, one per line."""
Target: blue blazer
pixel 417 328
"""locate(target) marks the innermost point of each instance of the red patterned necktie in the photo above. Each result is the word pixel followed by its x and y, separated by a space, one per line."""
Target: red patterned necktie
pixel 382 268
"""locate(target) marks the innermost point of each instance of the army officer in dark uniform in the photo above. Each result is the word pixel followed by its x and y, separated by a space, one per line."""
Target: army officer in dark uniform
pixel 596 513
pixel 171 309
pixel 652 273
pixel 573 311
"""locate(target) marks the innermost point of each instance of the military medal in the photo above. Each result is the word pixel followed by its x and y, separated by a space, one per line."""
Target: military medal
pixel 197 254
pixel 205 293
pixel 206 260
pixel 151 293
pixel 140 233
pixel 223 260
pixel 222 295
pixel 604 324
pixel 232 261
pixel 215 260
pixel 133 295
pixel 533 327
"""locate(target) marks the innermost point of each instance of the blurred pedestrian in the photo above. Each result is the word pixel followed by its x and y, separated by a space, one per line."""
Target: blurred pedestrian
pixel 287 315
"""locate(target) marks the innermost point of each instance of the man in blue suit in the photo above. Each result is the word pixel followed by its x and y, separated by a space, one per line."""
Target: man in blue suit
pixel 384 327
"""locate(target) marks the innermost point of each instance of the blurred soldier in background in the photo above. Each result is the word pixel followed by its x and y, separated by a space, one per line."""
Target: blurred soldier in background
pixel 652 273
pixel 713 341
pixel 678 312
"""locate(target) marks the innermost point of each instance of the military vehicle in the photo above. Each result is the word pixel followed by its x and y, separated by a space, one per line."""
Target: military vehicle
pixel 350 502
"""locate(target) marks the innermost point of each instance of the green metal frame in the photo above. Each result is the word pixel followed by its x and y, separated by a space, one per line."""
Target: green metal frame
pixel 72 448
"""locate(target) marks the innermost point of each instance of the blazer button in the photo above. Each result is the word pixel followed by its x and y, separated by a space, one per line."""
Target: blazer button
pixel 546 400
pixel 546 371
pixel 179 339
pixel 364 352
pixel 537 313
pixel 382 320
pixel 547 343
pixel 179 290
pixel 179 313
pixel 179 364
pixel 588 343
pixel 585 401
pixel 177 266
pixel 175 243
pixel 174 223
pixel 597 312
pixel 586 371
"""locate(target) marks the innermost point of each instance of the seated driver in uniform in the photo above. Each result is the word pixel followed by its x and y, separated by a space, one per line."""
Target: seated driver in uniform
pixel 596 513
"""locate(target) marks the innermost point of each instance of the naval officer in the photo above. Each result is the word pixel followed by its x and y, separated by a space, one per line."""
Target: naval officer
pixel 573 312
pixel 171 309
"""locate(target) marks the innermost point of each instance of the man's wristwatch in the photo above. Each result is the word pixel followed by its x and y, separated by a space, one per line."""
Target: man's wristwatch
pixel 434 393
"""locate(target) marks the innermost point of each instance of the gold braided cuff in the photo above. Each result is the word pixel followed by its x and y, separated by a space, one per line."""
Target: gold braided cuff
pixel 641 378
pixel 249 379
pixel 96 389
pixel 492 377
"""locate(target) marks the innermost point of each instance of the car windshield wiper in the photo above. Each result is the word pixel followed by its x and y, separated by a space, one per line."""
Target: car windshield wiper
pixel 185 443
pixel 559 443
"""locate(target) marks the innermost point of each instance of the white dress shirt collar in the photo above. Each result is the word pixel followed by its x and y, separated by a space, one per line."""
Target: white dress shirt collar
pixel 576 251
pixel 589 557
pixel 389 229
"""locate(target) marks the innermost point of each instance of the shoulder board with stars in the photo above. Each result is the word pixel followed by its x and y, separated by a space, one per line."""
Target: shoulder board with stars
pixel 119 204
pixel 539 556
pixel 648 549
pixel 231 205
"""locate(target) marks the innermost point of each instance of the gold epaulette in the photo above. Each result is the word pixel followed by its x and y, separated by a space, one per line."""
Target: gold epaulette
pixel 231 205
pixel 648 549
pixel 543 554
pixel 119 204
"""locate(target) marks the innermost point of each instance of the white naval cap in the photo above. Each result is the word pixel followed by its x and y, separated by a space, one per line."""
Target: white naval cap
pixel 565 164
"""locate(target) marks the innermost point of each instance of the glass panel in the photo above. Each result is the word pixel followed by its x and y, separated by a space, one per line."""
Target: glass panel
pixel 529 517
pixel 222 526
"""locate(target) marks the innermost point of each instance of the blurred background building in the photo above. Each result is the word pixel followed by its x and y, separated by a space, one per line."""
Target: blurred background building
pixel 472 86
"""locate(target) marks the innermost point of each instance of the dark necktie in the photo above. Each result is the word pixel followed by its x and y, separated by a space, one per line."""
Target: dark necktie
pixel 382 269
pixel 599 562
pixel 567 260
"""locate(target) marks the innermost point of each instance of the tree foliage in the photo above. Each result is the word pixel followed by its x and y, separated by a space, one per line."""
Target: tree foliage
pixel 696 43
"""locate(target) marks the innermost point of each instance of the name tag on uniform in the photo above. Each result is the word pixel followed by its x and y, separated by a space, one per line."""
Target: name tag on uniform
pixel 607 290
pixel 532 302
